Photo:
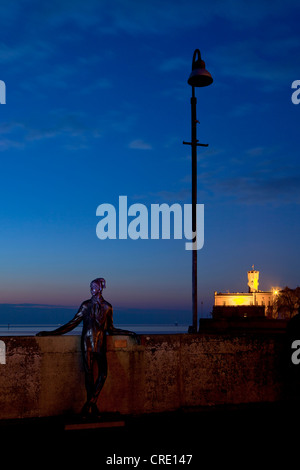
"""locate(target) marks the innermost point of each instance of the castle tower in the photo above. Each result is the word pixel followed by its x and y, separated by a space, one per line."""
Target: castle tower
pixel 253 280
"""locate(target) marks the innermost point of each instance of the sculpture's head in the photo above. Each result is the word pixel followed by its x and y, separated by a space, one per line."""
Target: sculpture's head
pixel 97 285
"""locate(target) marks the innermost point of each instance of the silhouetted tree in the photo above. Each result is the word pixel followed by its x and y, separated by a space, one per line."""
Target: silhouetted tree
pixel 287 302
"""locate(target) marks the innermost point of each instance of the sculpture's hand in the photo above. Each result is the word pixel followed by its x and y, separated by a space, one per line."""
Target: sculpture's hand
pixel 136 337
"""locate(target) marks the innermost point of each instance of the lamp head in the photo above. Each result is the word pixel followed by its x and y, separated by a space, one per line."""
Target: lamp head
pixel 199 76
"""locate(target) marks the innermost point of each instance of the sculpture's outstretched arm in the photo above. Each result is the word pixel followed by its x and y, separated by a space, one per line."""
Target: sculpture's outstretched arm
pixel 119 331
pixel 61 330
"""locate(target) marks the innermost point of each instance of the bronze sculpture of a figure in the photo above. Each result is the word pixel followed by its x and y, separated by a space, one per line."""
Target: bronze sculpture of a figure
pixel 97 317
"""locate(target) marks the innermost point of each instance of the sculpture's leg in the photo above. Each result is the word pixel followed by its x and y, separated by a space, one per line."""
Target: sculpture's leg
pixel 101 361
pixel 89 380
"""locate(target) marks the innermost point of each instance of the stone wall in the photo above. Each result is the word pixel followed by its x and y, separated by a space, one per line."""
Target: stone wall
pixel 43 376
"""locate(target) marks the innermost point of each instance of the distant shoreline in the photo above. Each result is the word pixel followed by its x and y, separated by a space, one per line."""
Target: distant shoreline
pixel 32 330
pixel 43 314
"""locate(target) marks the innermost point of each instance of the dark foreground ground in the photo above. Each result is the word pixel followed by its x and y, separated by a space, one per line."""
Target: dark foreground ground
pixel 239 436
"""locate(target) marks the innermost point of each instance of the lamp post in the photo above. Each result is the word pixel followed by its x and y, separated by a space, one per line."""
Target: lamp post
pixel 199 77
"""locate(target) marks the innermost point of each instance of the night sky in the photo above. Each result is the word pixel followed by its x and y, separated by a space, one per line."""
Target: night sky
pixel 98 105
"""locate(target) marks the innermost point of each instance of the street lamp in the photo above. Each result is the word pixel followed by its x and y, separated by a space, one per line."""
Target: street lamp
pixel 199 77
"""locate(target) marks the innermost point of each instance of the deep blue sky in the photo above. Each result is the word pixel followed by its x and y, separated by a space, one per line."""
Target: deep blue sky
pixel 98 106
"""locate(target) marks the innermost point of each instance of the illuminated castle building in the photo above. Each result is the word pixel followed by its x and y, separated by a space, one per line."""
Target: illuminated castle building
pixel 254 303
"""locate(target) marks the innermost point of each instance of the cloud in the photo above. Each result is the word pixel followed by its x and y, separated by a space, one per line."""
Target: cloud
pixel 258 176
pixel 9 127
pixel 171 197
pixel 25 52
pixel 175 63
pixel 12 135
pixel 73 127
pixel 6 144
pixel 254 59
pixel 157 17
pixel 139 145
pixel 255 151
pixel 136 17
pixel 67 125
pixel 257 188
pixel 100 84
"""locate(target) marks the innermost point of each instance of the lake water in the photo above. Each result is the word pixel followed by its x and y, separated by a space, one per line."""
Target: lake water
pixel 31 330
